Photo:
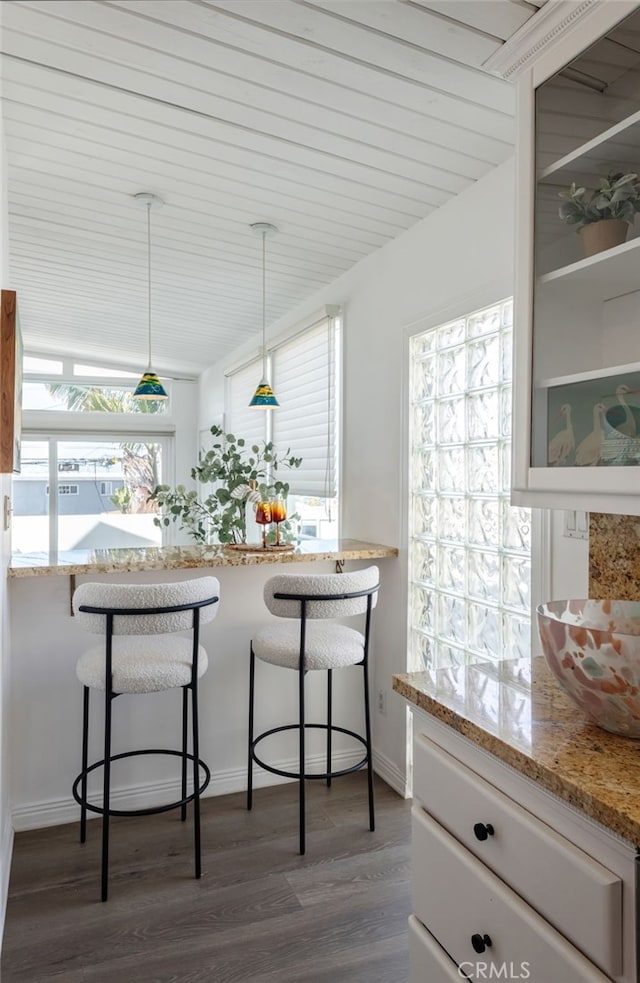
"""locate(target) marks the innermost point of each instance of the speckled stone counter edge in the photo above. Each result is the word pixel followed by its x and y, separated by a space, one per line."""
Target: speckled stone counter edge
pixel 189 558
pixel 596 772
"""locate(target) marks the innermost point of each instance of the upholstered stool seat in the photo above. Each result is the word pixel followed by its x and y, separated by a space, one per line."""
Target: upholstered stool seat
pixel 309 642
pixel 142 664
pixel 327 646
pixel 141 653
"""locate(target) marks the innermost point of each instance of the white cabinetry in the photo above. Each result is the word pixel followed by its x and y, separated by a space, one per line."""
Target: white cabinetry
pixel 509 882
pixel 577 360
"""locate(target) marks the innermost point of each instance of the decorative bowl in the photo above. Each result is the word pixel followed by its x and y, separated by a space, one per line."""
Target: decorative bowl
pixel 593 650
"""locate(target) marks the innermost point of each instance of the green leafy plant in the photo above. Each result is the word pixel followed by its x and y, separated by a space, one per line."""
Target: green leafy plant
pixel 617 196
pixel 121 498
pixel 240 475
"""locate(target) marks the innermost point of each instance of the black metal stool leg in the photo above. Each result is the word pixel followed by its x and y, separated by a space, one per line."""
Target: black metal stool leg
pixel 196 776
pixel 106 789
pixel 252 674
pixel 85 762
pixel 185 717
pixel 329 722
pixel 301 759
pixel 367 720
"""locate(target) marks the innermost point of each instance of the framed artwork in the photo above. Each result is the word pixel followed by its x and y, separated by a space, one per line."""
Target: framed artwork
pixel 10 383
pixel 595 421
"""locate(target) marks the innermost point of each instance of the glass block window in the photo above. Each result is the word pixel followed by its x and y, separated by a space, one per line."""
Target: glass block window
pixel 469 550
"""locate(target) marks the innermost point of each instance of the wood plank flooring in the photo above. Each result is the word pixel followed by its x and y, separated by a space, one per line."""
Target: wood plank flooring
pixel 259 914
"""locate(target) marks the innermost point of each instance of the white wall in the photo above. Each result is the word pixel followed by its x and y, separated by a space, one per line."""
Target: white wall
pixel 458 259
pixel 6 828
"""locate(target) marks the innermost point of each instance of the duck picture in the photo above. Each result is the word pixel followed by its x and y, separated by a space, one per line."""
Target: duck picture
pixel 563 443
pixel 589 450
pixel 622 416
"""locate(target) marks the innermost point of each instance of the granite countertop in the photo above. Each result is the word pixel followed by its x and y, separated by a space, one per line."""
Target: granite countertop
pixel 517 711
pixel 189 557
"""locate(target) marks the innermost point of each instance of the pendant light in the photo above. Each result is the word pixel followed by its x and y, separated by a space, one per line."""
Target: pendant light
pixel 149 386
pixel 264 396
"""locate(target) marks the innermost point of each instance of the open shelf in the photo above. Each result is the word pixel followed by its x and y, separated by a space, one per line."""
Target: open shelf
pixel 603 373
pixel 618 145
pixel 601 277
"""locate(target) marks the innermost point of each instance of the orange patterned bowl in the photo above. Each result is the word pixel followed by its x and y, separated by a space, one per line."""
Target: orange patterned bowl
pixel 593 650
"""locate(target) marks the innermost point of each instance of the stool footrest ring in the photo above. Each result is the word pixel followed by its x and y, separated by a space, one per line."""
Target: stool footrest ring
pixel 140 812
pixel 310 775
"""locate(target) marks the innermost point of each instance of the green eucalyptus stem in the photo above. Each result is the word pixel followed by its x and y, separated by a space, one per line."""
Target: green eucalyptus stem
pixel 233 469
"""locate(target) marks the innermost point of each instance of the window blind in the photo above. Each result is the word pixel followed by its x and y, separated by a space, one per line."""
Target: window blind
pixel 243 420
pixel 304 381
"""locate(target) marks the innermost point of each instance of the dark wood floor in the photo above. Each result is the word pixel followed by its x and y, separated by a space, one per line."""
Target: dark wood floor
pixel 260 913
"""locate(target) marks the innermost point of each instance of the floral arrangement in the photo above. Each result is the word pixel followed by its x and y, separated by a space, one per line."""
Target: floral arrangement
pixel 241 475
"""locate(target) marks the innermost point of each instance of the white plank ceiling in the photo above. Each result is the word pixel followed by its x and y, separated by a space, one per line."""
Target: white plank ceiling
pixel 342 122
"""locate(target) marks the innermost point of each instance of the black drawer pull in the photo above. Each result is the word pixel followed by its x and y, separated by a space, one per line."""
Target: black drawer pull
pixel 483 830
pixel 480 942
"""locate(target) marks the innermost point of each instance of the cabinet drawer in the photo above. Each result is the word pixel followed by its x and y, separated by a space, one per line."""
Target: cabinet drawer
pixel 428 962
pixel 460 902
pixel 579 896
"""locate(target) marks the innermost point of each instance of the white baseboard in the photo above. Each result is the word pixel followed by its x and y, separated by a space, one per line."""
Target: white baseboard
pixel 55 812
pixel 6 852
pixel 390 773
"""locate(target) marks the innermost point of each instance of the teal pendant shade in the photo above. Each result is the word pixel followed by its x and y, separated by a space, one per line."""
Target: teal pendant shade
pixel 150 387
pixel 264 395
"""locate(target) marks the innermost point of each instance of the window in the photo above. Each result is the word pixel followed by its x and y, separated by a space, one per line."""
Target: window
pixel 241 419
pixel 91 457
pixel 90 512
pixel 304 379
pixel 469 550
pixel 65 490
pixel 87 398
pixel 304 370
pixel 63 384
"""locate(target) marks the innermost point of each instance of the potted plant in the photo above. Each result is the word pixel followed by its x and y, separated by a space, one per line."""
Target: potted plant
pixel 602 216
pixel 240 474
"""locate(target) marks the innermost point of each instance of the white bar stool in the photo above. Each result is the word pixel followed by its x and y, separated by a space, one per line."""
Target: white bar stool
pixel 306 646
pixel 141 654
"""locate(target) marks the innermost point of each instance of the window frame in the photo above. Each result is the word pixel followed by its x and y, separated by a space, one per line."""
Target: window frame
pixel 466 304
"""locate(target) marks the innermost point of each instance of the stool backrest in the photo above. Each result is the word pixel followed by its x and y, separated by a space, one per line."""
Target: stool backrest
pixel 322 586
pixel 141 597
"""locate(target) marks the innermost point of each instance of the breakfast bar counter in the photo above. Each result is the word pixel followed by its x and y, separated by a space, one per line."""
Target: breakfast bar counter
pixel 46 705
pixel 139 559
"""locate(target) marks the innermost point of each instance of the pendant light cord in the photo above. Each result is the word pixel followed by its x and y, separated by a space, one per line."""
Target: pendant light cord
pixel 149 275
pixel 264 294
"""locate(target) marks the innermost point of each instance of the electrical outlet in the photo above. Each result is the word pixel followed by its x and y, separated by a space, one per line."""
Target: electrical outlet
pixel 382 702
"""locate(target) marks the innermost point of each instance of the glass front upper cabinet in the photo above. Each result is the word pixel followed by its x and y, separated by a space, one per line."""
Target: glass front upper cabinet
pixel 576 423
pixel 586 288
